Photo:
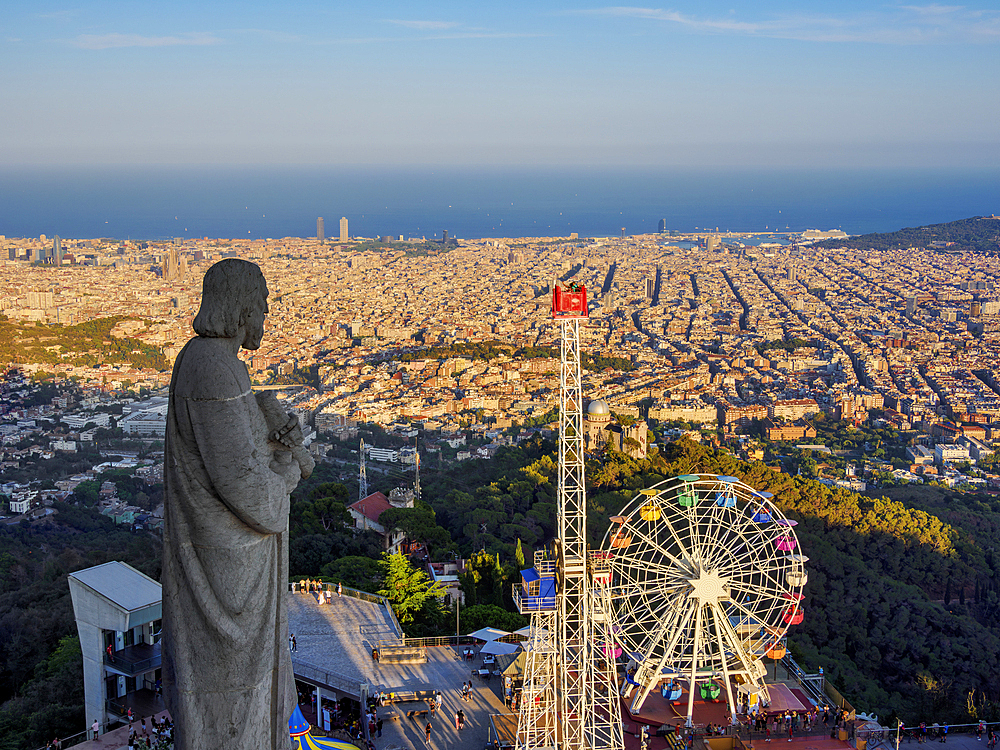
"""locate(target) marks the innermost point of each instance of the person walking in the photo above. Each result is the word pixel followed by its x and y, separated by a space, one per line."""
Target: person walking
pixel 96 729
pixel 378 727
pixel 427 732
pixel 340 589
pixel 456 720
pixel 295 644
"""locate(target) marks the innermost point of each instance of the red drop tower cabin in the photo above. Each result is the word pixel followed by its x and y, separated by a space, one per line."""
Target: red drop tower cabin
pixel 569 301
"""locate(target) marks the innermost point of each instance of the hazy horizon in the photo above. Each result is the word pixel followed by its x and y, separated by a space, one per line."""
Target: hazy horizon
pixel 841 83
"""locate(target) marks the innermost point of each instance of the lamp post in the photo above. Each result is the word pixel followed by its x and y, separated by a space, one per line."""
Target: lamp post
pixel 899 726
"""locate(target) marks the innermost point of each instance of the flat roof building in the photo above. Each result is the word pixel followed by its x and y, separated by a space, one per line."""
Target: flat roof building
pixel 118 613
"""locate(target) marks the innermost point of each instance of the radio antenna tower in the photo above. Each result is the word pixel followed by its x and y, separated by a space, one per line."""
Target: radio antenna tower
pixel 416 483
pixel 570 698
pixel 362 478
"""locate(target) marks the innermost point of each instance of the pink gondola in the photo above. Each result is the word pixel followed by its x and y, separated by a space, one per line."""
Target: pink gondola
pixel 785 543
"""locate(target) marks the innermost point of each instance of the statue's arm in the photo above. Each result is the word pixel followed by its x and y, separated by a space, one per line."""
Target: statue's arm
pixel 243 476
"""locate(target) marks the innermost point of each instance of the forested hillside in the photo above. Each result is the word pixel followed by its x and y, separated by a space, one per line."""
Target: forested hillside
pixel 980 233
pixel 88 344
pixel 901 604
pixel 41 669
pixel 879 570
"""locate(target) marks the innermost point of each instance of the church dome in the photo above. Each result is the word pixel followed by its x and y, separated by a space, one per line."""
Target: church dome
pixel 598 408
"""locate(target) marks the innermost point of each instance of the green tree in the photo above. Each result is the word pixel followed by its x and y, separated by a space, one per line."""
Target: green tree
pixel 357 572
pixel 324 509
pixel 414 598
pixel 419 524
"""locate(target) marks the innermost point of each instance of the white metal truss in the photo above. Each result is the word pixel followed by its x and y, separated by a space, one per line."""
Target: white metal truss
pixel 537 726
pixel 589 714
pixel 605 729
pixel 573 627
pixel 570 696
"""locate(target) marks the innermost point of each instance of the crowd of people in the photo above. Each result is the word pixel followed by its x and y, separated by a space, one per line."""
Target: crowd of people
pixel 787 723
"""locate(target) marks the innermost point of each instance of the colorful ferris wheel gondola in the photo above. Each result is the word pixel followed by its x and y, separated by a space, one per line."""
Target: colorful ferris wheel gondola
pixel 793 614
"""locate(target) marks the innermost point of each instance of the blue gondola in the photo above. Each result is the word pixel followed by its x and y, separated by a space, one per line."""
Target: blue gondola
pixel 725 499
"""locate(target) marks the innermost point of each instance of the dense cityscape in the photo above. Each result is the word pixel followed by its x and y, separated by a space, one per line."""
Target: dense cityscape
pixel 739 342
pixel 788 357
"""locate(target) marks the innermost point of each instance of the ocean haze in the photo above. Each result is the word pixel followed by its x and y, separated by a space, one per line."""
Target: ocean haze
pixel 157 202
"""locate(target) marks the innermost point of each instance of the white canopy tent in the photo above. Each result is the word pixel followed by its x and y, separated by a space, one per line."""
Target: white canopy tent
pixel 488 634
pixel 499 647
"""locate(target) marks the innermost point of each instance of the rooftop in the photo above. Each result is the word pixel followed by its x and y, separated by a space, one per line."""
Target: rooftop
pixel 121 584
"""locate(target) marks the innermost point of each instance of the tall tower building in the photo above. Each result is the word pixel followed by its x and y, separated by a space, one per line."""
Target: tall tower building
pixel 57 250
pixel 320 234
pixel 911 305
pixel 343 229
pixel 663 226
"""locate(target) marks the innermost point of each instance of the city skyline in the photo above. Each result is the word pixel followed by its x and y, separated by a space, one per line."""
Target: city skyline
pixel 841 83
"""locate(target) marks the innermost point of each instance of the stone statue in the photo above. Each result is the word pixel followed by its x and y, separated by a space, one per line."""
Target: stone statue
pixel 232 458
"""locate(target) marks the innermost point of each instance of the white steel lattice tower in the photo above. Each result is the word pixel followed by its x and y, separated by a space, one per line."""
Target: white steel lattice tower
pixel 586 712
pixel 535 596
pixel 572 629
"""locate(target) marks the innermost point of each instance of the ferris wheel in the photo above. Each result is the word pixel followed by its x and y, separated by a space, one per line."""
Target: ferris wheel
pixel 706 580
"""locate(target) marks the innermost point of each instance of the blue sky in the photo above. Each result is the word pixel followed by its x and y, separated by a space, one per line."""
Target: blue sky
pixel 855 84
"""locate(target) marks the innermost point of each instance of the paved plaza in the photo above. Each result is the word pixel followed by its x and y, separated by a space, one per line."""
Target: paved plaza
pixel 339 637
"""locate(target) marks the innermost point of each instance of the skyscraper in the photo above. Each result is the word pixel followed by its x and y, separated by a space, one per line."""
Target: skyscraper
pixel 343 229
pixel 911 305
pixel 663 226
pixel 57 250
pixel 320 234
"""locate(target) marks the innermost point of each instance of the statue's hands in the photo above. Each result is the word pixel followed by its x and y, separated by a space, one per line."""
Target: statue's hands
pixel 289 470
pixel 304 460
pixel 289 434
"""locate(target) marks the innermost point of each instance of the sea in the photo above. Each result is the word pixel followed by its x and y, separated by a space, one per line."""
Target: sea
pixel 160 202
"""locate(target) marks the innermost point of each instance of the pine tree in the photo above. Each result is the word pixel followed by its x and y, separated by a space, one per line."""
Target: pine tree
pixel 519 555
pixel 409 591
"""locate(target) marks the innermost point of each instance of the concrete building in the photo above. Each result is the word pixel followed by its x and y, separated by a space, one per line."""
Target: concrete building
pixel 366 513
pixel 152 423
pixel 320 233
pixel 950 453
pixel 118 612
pixel 343 229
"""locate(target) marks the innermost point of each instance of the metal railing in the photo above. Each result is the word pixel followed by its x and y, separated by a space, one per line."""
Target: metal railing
pixel 75 739
pixel 335 680
pixel 525 603
pixel 816 685
pixel 132 668
pixel 363 596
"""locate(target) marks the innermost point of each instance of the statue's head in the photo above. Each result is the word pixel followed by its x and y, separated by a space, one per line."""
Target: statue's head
pixel 233 297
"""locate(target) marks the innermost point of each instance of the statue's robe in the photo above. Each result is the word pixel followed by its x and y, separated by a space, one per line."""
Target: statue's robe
pixel 226 665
